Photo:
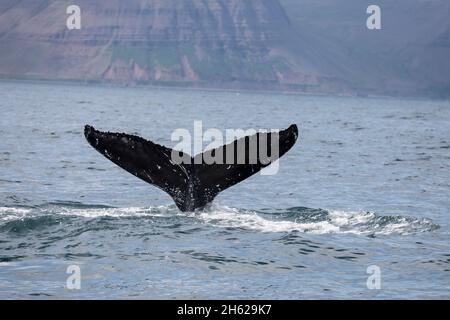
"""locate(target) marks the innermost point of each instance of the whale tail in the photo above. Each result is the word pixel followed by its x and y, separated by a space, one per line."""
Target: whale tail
pixel 195 181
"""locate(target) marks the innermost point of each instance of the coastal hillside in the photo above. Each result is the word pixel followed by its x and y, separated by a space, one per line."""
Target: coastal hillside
pixel 304 45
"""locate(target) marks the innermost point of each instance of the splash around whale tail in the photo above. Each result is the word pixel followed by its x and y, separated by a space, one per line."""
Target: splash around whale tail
pixel 192 183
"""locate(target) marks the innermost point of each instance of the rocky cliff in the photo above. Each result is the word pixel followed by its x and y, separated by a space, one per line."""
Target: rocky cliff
pixel 230 43
pixel 304 45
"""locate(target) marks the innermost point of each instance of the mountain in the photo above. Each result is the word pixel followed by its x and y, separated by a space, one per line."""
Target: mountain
pixel 410 55
pixel 230 43
pixel 301 45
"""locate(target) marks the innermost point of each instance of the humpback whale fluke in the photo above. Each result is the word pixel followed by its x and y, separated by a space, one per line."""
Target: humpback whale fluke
pixel 194 184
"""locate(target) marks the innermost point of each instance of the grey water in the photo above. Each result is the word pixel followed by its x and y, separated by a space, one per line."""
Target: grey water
pixel 367 184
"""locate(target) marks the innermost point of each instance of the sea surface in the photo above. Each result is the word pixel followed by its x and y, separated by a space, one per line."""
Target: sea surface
pixel 366 187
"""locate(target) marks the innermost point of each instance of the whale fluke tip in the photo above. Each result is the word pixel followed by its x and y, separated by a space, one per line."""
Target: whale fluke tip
pixel 87 130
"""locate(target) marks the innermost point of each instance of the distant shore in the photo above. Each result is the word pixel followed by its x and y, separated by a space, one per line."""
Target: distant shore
pixel 223 87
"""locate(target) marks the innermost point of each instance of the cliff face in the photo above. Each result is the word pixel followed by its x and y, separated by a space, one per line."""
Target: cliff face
pixel 305 45
pixel 194 42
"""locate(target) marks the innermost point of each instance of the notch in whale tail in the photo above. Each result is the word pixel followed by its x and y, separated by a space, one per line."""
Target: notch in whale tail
pixel 194 184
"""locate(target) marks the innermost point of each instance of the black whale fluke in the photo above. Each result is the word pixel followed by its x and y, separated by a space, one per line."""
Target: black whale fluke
pixel 192 184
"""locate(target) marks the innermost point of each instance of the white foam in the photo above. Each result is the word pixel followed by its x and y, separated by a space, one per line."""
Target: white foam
pixel 337 221
pixel 14 210
pixel 399 227
pixel 343 218
pixel 229 217
pixel 11 213
pixel 159 211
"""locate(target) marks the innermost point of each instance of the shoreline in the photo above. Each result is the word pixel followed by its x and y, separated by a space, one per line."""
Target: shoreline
pixel 218 88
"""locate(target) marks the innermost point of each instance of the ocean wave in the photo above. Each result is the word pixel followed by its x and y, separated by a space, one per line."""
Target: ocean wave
pixel 300 219
pixel 317 221
pixel 13 210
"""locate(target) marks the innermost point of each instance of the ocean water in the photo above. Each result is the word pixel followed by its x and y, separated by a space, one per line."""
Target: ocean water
pixel 367 184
